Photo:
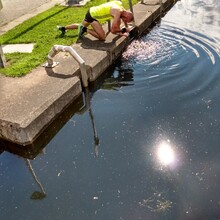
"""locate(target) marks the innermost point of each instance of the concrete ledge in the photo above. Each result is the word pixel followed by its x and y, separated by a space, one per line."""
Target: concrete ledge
pixel 97 55
pixel 144 17
pixel 36 102
pixel 95 60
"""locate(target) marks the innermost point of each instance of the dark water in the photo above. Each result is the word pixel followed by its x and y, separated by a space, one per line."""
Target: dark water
pixel 148 148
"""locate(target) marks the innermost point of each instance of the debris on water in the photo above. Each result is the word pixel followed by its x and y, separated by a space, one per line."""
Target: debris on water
pixel 157 203
pixel 38 195
pixel 141 50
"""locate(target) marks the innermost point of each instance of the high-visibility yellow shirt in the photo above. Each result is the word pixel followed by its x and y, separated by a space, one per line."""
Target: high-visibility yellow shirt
pixel 102 12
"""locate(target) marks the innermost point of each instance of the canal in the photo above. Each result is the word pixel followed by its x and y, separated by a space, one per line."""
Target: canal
pixel 146 143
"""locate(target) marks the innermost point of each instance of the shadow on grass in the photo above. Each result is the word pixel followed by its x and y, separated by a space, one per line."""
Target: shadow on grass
pixel 66 36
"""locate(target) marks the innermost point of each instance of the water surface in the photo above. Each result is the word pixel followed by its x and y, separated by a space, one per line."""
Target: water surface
pixel 148 146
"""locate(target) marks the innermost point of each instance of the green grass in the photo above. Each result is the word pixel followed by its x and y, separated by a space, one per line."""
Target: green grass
pixel 42 30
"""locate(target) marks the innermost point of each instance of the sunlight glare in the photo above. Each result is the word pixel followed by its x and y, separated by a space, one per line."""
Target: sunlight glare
pixel 165 154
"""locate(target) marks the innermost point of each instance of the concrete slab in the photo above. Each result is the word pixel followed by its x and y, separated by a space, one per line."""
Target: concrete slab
pixel 30 103
pixel 21 48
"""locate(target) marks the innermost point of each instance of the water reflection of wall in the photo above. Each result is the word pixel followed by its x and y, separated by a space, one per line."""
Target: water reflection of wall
pixel 198 15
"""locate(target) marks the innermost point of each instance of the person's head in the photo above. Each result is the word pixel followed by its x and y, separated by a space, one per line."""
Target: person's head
pixel 127 16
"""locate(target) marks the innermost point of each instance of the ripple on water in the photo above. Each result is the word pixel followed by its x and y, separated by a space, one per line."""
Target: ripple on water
pixel 165 42
pixel 173 57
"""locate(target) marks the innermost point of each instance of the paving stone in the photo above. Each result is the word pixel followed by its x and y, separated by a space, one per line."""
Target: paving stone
pixel 22 48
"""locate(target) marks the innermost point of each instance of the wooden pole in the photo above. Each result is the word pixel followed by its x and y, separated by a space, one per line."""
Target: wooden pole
pixel 1 6
pixel 2 58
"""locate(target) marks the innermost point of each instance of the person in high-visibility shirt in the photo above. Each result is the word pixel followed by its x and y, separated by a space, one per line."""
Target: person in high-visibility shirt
pixel 104 12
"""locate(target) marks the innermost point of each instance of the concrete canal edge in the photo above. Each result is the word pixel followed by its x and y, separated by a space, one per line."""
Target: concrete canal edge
pixel 29 104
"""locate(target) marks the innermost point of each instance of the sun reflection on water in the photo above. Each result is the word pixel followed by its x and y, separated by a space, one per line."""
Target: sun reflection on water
pixel 166 155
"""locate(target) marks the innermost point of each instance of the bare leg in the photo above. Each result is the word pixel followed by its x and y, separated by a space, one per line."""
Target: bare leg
pixel 97 31
pixel 76 25
pixel 71 26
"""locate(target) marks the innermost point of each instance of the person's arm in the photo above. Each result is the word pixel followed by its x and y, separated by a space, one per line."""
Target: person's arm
pixel 115 29
pixel 115 12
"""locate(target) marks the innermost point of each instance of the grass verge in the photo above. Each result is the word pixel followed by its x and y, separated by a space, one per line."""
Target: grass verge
pixel 42 30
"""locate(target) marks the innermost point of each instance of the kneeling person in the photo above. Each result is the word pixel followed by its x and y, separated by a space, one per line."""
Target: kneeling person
pixel 102 13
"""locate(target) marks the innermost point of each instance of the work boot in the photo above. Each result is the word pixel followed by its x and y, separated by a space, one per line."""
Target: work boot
pixel 62 29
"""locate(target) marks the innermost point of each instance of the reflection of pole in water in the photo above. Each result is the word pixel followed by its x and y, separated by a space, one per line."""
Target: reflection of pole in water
pixel 96 139
pixel 36 195
pixel 2 146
